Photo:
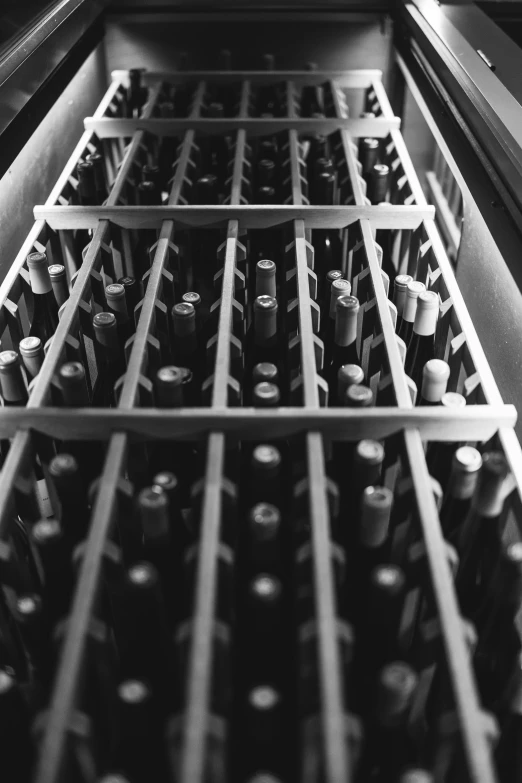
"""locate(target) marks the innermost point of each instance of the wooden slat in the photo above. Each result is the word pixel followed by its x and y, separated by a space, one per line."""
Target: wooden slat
pixel 121 127
pixel 335 752
pixel 66 683
pixel 249 215
pixel 356 79
pixel 199 674
pixel 473 423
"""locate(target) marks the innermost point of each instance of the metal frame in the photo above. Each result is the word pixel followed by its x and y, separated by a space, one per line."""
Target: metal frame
pixel 457 341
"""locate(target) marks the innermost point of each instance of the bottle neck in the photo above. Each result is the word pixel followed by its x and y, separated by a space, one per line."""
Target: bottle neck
pixel 425 321
pixel 265 325
pixel 345 327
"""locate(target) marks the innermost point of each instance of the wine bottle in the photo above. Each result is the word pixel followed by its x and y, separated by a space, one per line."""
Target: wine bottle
pixel 32 353
pixel 202 316
pixel 265 174
pixel 168 387
pixel 339 287
pixel 44 318
pixel 151 173
pixel 266 474
pixel 185 349
pixel 348 375
pixel 100 179
pixel 264 536
pixel 264 624
pixel 440 454
pixel 71 499
pixel 465 467
pixel 73 383
pixel 117 304
pixel 400 287
pixel 435 376
pixel 478 542
pixel 133 293
pixel 327 242
pixel 421 347
pixel 405 324
pixel 12 384
pixel 389 747
pixel 138 747
pixel 379 611
pixel 263 339
pixel 59 283
pixel 345 341
pixel 35 633
pixel 16 745
pixel 53 556
pixel 372 534
pixel 378 183
pixel 87 195
pixel 161 548
pixel 358 396
pixel 136 95
pixel 266 278
pixel 324 299
pixel 263 725
pixel 368 155
pixel 310 100
pixel 110 359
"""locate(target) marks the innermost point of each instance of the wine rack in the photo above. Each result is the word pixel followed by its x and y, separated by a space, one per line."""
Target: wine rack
pixel 327 741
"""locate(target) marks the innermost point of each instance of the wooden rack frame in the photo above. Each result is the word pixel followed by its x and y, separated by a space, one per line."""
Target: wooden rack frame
pixel 131 420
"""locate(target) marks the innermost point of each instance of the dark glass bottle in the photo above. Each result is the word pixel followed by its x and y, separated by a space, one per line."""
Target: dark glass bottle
pixel 345 341
pixel 363 470
pixel 136 93
pixel 54 561
pixel 440 454
pixel 324 299
pixel 87 194
pixel 465 466
pixel 74 385
pixel 186 350
pixel 478 542
pixel 266 474
pixel 35 633
pixel 59 283
pixel 378 183
pixel 139 748
pixel 110 359
pixel 264 729
pixel 400 286
pixel 264 536
pixel 389 747
pixel 368 155
pixel 12 384
pixel 71 486
pixel 266 278
pixel 44 318
pixel 265 175
pixel 435 377
pixel 327 242
pixel 100 180
pixel 339 287
pixel 348 375
pixel 32 353
pixel 265 623
pixel 16 744
pixel 117 304
pixel 133 293
pixel 263 338
pixel 406 321
pixel 168 387
pixel 421 347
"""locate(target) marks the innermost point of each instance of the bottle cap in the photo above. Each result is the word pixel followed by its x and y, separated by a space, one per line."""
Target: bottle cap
pixel 358 396
pixel 170 375
pixel 264 521
pixel 265 268
pixel 104 321
pixel 265 314
pixel 11 379
pixel 56 271
pixel 133 691
pixel 264 698
pixel 266 164
pixel 166 109
pixel 114 291
pixel 413 291
pixel 333 274
pixel 266 457
pixel 7 682
pixel 265 589
pixel 376 504
pixel 39 273
pixel 380 170
pixel 369 451
pixel 169 386
pixel 268 62
pixel 63 465
pixel 339 287
pixel 142 575
pixel 167 481
pixel 153 504
pixel 113 777
pixel 367 115
pixel 192 298
pixel 397 684
pixel 264 303
pixel 348 375
pixel 427 313
pixel 74 384
pixel 488 499
pixel 30 346
pixel 215 110
pixel 388 577
pixel 435 376
pixel 266 395
pixel 184 319
pixel 46 531
pixel 71 373
pixel 370 144
pixel 265 371
pixel 466 464
pixel 453 400
pixel 28 607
